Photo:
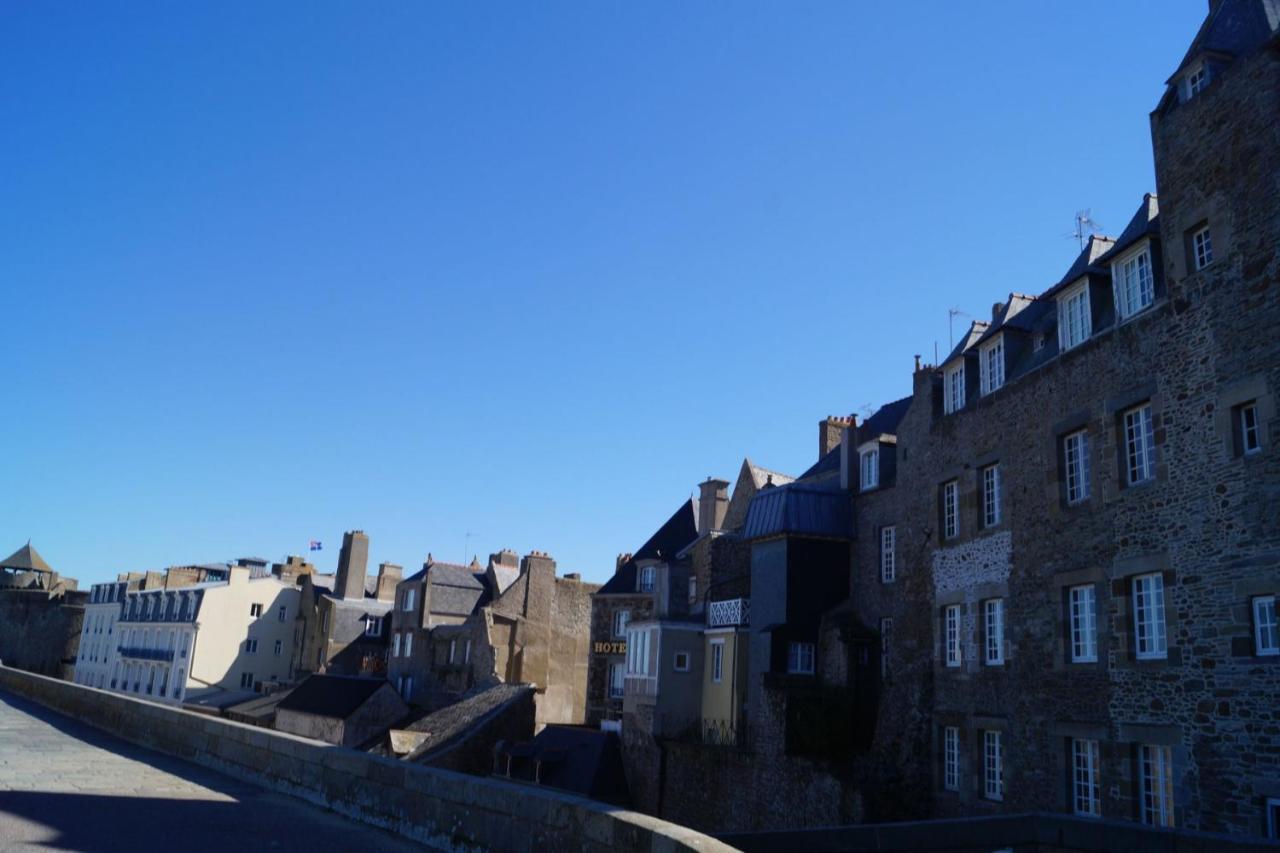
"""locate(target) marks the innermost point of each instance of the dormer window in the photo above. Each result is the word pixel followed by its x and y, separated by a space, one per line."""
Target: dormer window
pixel 1196 80
pixel 646 579
pixel 953 388
pixel 991 361
pixel 869 464
pixel 1134 286
pixel 1074 321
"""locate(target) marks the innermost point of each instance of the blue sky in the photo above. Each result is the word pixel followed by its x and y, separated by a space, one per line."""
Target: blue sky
pixel 527 271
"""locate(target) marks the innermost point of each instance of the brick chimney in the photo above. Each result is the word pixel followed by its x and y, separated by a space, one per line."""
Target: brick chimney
pixel 389 574
pixel 830 429
pixel 506 557
pixel 622 559
pixel 353 565
pixel 713 503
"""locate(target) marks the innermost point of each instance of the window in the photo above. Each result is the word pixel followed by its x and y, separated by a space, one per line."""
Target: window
pixel 717 661
pixel 1250 435
pixel 869 462
pixel 1075 448
pixel 251 646
pixel 1084 634
pixel 1134 288
pixel 951 633
pixel 800 658
pixel 1265 640
pixel 953 389
pixel 951 758
pixel 279 647
pixel 409 595
pixel 991 360
pixel 992 765
pixel 617 673
pixel 1202 248
pixel 373 626
pixel 186 645
pixel 888 542
pixel 1074 321
pixel 324 623
pixel 453 650
pixel 1140 445
pixel 282 613
pixel 246 680
pixel 408 643
pixel 395 645
pixel 693 589
pixel 466 652
pixel 1085 792
pixel 991 496
pixel 993 615
pixel 681 662
pixel 620 620
pixel 1148 617
pixel 1156 770
pixel 255 610
pixel 637 652
pixel 646 579
pixel 1273 817
pixel 406 686
pixel 1197 80
pixel 886 631
pixel 951 509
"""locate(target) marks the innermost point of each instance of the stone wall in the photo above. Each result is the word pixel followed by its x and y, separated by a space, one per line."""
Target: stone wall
pixel 40 633
pixel 440 808
pixel 599 704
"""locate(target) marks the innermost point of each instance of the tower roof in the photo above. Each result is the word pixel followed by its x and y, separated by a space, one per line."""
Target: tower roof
pixel 25 559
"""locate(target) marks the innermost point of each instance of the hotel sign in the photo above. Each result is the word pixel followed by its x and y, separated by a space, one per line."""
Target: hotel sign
pixel 610 648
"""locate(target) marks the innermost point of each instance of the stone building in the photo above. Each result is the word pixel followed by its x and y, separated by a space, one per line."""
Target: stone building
pixel 344 616
pixel 41 615
pixel 343 710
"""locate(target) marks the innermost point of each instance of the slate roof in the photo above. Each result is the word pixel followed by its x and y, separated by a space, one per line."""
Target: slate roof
pixel 25 559
pixel 799 509
pixel 334 696
pixel 1145 222
pixel 828 464
pixel 572 758
pixel 455 590
pixel 1234 27
pixel 675 533
pixel 976 330
pixel 1085 262
pixel 453 721
pixel 1008 317
pixel 886 419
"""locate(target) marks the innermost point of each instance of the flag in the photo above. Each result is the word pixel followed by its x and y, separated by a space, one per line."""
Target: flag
pixel 315 544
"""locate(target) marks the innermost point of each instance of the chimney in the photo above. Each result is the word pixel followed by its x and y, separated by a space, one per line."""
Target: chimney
pixel 713 503
pixel 830 429
pixel 389 574
pixel 506 557
pixel 353 564
pixel 995 311
pixel 622 559
pixel 540 561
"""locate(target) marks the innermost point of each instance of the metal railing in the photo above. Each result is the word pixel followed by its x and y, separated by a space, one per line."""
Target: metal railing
pixel 730 613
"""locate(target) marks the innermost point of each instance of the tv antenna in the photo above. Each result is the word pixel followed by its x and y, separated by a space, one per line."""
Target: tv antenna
pixel 952 314
pixel 1086 227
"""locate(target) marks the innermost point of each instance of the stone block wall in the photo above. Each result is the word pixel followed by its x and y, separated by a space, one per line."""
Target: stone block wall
pixel 40 633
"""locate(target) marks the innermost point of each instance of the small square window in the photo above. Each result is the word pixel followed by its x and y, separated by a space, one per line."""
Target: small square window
pixel 800 658
pixel 681 662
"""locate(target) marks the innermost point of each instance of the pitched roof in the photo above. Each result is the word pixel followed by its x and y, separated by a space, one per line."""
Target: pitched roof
pixel 1145 222
pixel 828 464
pixel 470 712
pixel 886 418
pixel 799 509
pixel 572 758
pixel 1009 316
pixel 418 575
pixel 675 533
pixel 764 476
pixel 335 696
pixel 1085 262
pixel 25 559
pixel 1235 28
pixel 976 330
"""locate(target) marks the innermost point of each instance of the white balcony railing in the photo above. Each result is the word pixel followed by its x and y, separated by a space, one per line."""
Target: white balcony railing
pixel 731 613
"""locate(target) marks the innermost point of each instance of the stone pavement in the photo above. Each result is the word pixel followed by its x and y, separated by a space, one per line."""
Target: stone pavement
pixel 66 786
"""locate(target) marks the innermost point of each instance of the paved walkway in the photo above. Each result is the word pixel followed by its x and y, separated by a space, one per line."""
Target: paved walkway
pixel 66 786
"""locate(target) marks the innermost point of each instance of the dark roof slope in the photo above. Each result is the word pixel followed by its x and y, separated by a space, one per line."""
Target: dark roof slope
pixel 572 758
pixel 829 463
pixel 1234 27
pixel 331 695
pixel 1085 262
pixel 886 419
pixel 456 720
pixel 678 531
pixel 1144 222
pixel 799 509
pixel 976 330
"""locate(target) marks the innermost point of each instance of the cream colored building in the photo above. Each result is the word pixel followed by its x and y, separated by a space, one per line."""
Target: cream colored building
pixel 222 637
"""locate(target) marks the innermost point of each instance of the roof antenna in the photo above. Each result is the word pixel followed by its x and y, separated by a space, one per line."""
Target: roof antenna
pixel 1086 226
pixel 952 314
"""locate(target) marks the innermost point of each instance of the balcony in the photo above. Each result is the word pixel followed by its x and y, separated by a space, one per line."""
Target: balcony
pixel 146 654
pixel 732 613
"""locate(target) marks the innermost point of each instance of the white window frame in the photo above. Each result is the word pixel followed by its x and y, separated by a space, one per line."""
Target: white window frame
pixel 991 365
pixel 646 578
pixel 800 658
pixel 953 388
pixel 620 620
pixel 410 596
pixel 617 679
pixel 1133 281
pixel 453 649
pixel 951 509
pixel 951 758
pixel 1139 445
pixel 1250 431
pixel 1150 637
pixel 675 661
pixel 991 509
pixel 373 626
pixel 638 651
pixel 1156 772
pixel 1202 248
pixel 1075 451
pixel 993 631
pixel 1086 792
pixel 886 631
pixel 717 661
pixel 953 650
pixel 992 765
pixel 869 466
pixel 1196 80
pixel 888 555
pixel 1266 633
pixel 1082 603
pixel 1075 321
